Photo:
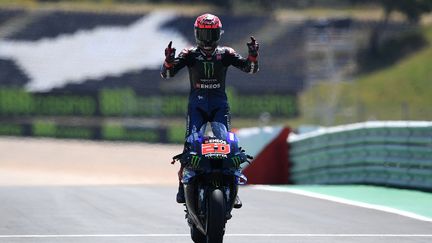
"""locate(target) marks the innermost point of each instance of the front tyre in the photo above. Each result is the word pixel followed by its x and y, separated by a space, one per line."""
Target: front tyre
pixel 216 217
pixel 197 236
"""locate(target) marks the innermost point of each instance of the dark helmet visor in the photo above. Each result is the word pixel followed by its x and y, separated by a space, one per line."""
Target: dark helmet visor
pixel 208 35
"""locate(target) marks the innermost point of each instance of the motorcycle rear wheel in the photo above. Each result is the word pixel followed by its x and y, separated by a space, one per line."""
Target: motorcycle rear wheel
pixel 216 217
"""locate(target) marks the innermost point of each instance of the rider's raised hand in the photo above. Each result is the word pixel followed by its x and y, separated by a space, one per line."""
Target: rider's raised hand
pixel 253 47
pixel 169 55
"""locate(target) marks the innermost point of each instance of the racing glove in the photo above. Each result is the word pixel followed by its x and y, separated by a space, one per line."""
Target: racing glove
pixel 169 55
pixel 253 48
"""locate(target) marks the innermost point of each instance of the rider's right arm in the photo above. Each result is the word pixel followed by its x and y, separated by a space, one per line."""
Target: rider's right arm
pixel 170 70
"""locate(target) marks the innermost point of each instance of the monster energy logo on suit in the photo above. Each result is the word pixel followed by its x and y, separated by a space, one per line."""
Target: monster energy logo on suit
pixel 208 69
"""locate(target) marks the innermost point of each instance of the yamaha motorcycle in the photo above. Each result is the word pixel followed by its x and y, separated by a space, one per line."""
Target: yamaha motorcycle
pixel 211 175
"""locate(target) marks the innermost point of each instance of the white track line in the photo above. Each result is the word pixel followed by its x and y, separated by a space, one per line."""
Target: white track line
pixel 227 235
pixel 344 201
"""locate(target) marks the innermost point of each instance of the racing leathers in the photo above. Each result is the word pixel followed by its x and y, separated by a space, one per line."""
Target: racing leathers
pixel 207 98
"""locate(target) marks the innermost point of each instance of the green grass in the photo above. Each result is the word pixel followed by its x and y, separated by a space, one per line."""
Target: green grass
pixel 400 92
pixel 10 129
pixel 407 200
pixel 44 129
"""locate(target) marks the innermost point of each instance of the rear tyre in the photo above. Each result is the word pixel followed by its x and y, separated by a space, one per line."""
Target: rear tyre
pixel 216 217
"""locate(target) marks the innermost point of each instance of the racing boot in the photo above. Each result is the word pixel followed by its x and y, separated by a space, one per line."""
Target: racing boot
pixel 237 203
pixel 180 198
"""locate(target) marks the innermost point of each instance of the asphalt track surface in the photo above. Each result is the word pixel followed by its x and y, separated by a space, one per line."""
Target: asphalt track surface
pixel 96 214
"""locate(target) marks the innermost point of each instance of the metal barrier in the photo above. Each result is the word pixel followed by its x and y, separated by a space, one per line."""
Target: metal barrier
pixel 382 153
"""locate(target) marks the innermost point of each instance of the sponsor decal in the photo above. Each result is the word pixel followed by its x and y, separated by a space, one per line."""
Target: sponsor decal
pixel 216 183
pixel 195 161
pixel 187 125
pixel 207 86
pixel 236 161
pixel 215 148
pixel 208 69
pixel 211 80
pixel 231 136
pixel 252 67
pixel 215 140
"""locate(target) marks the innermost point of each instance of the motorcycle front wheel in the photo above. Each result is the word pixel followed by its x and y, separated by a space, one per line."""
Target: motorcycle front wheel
pixel 216 217
pixel 197 236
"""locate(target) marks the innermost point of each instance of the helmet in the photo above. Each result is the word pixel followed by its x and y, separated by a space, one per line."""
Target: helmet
pixel 207 31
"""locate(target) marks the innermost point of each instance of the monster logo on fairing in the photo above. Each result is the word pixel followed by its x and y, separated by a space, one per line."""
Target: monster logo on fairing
pixel 236 161
pixel 195 161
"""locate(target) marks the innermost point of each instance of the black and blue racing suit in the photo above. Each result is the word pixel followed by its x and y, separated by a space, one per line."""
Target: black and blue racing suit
pixel 207 98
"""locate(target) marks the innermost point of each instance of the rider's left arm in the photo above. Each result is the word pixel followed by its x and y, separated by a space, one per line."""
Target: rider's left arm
pixel 250 64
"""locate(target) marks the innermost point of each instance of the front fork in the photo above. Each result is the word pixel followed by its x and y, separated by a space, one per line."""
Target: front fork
pixel 230 193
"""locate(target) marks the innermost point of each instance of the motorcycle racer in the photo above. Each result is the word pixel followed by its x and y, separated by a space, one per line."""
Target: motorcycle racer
pixel 207 63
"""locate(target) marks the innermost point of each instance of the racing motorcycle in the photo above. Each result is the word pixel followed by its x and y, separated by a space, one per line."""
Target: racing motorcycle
pixel 211 175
